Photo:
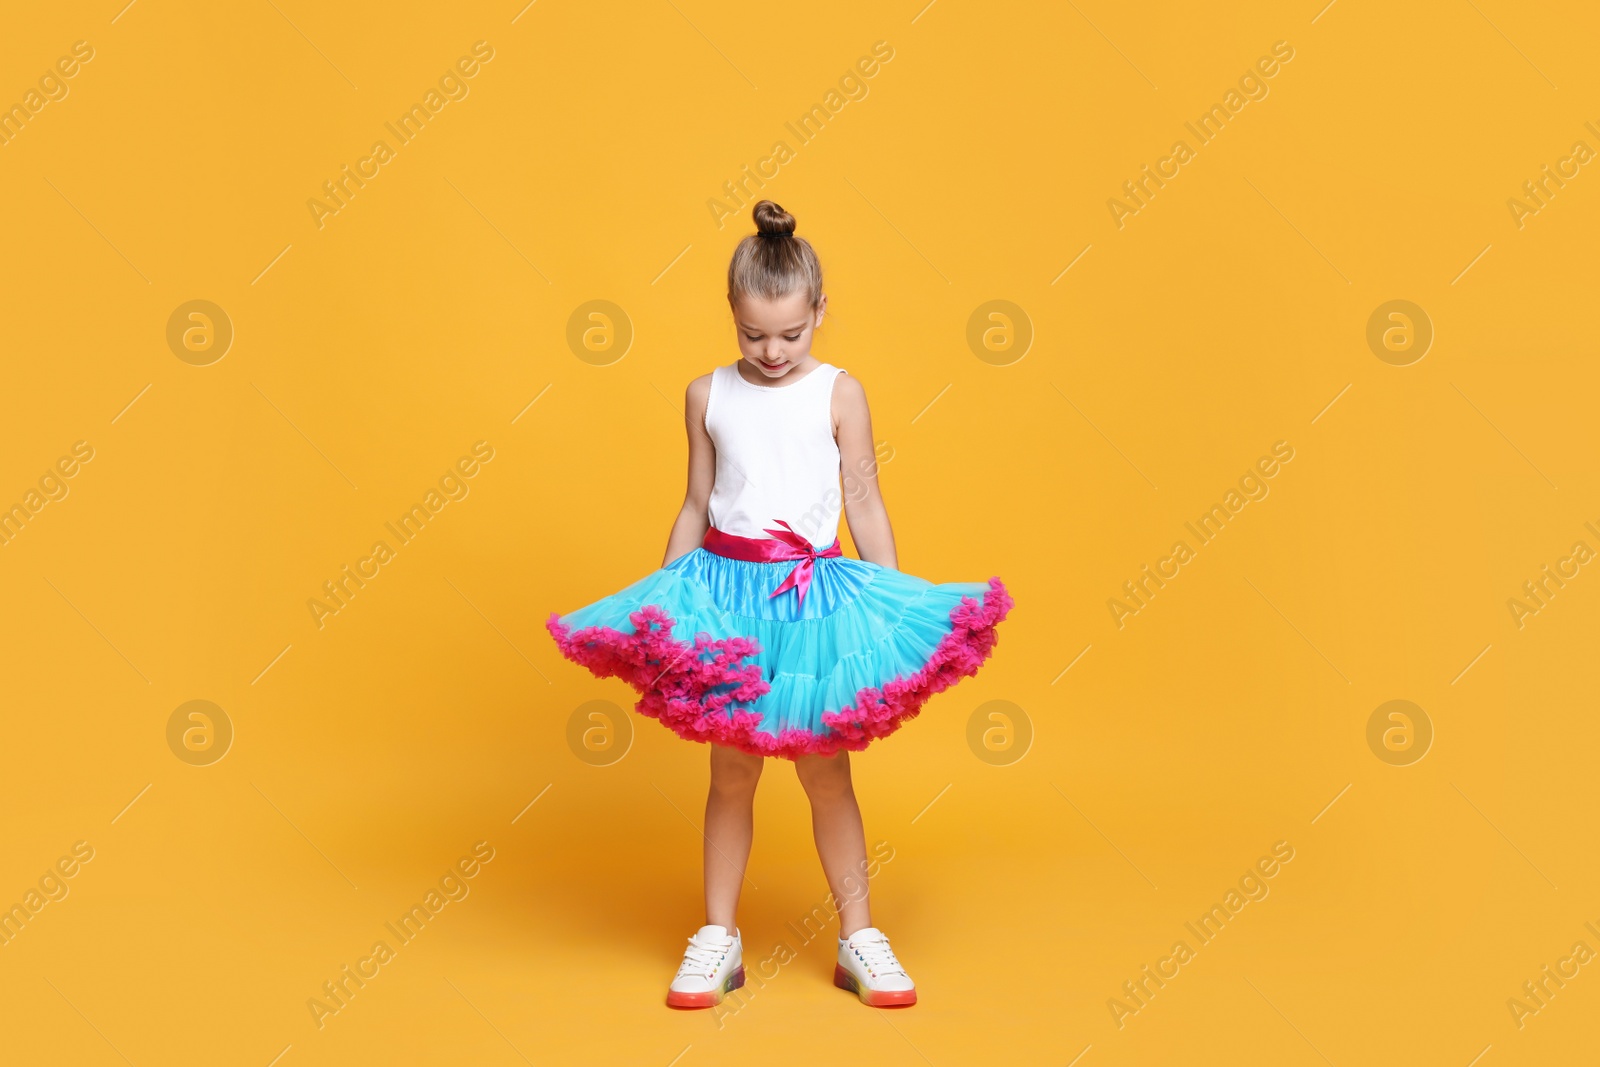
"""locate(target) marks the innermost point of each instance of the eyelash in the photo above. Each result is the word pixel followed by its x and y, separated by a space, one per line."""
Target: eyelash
pixel 786 337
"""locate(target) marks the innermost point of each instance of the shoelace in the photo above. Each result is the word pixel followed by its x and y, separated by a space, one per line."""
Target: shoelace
pixel 702 958
pixel 878 957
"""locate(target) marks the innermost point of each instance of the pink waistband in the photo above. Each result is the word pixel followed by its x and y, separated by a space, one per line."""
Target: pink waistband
pixel 783 545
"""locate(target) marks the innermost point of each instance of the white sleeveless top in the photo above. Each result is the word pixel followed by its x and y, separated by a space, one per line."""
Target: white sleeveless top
pixel 776 456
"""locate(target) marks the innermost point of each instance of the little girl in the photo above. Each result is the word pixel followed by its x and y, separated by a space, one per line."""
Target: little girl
pixel 758 636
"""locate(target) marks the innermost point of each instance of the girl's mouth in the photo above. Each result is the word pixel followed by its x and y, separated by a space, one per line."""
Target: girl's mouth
pixel 773 366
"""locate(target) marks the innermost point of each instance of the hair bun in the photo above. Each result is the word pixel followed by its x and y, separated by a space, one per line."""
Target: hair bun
pixel 770 218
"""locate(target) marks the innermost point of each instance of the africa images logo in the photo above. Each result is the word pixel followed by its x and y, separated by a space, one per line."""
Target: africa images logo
pixel 453 485
pixel 807 128
pixel 1253 486
pixel 452 86
pixel 1252 85
pixel 453 886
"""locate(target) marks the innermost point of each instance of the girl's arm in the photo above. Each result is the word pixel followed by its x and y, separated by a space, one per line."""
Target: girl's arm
pixel 693 519
pixel 864 509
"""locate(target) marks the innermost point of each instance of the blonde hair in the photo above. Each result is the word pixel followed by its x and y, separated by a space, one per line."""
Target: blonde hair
pixel 773 262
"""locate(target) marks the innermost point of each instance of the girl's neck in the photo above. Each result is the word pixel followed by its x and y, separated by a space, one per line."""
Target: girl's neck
pixel 799 370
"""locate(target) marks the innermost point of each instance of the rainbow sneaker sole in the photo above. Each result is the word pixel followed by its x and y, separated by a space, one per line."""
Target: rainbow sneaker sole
pixel 709 999
pixel 873 998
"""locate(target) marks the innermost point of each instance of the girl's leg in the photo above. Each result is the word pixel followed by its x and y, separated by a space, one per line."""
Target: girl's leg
pixel 841 841
pixel 730 824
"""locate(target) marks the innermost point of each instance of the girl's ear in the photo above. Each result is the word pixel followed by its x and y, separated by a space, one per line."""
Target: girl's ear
pixel 822 306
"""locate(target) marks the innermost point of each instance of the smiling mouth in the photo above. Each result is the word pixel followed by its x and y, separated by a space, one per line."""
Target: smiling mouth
pixel 773 366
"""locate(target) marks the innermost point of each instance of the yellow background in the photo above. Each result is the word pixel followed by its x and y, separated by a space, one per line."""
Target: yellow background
pixel 369 354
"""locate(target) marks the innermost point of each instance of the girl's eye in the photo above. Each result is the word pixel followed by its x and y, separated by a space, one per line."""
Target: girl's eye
pixel 794 337
pixel 755 337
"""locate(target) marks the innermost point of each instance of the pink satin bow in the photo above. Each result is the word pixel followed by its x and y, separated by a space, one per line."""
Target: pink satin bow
pixel 784 544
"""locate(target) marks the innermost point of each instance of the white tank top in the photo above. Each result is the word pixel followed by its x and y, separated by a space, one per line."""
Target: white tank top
pixel 776 456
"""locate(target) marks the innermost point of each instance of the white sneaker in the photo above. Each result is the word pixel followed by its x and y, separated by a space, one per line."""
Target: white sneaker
pixel 867 967
pixel 712 967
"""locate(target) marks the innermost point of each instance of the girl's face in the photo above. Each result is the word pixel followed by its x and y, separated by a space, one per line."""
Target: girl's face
pixel 775 335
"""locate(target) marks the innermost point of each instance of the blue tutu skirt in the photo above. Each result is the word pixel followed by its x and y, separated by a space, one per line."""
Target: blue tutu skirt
pixel 716 657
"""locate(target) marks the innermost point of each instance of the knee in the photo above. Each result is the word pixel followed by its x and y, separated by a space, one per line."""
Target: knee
pixel 734 772
pixel 822 778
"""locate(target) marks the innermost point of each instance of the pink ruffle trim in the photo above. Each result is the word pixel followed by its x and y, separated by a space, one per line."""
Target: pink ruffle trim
pixel 677 679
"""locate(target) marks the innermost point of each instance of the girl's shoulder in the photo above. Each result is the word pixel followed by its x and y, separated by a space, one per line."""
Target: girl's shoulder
pixel 848 402
pixel 847 387
pixel 699 387
pixel 703 383
pixel 697 398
